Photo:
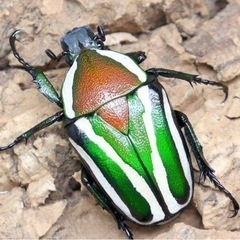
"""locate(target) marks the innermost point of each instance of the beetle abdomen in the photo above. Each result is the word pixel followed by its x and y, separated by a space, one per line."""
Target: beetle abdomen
pixel 145 172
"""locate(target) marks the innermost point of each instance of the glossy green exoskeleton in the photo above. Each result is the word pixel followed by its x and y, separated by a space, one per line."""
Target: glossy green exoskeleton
pixel 119 119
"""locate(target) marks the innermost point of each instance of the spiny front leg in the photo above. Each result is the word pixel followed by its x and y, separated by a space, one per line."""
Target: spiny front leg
pixel 43 84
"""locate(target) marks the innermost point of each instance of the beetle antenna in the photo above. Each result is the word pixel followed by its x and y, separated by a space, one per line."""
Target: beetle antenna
pixel 101 33
pixel 54 57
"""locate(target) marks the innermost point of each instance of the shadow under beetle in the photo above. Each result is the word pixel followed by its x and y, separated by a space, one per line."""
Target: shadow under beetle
pixel 118 117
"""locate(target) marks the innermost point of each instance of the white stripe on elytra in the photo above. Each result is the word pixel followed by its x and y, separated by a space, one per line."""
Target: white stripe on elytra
pixel 178 143
pixel 67 91
pixel 138 182
pixel 126 61
pixel 158 168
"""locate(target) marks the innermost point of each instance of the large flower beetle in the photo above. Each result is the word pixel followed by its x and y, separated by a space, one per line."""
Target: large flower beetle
pixel 118 117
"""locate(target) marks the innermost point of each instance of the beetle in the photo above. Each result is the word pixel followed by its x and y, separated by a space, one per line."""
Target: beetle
pixel 134 154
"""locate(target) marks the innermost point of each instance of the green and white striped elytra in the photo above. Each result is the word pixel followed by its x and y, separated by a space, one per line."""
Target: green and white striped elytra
pixel 149 158
pixel 135 159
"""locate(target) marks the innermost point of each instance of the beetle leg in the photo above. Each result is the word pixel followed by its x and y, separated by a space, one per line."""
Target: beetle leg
pixel 43 84
pixel 45 123
pixel 205 169
pixel 187 77
pixel 105 203
pixel 138 57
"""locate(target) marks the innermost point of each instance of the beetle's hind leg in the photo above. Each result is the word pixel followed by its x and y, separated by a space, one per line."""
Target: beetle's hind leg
pixel 190 78
pixel 205 169
pixel 43 84
pixel 105 202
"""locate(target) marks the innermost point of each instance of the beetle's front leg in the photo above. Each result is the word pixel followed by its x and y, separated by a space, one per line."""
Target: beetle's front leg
pixel 45 123
pixel 43 84
pixel 190 78
pixel 105 203
pixel 205 169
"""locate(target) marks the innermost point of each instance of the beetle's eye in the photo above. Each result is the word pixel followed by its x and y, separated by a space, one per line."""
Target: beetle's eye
pixel 65 47
pixel 98 42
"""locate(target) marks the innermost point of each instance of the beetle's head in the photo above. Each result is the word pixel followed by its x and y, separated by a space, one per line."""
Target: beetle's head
pixel 78 39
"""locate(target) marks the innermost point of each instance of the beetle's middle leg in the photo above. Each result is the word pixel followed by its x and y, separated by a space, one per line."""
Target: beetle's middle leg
pixel 45 123
pixel 186 77
pixel 43 84
pixel 105 202
pixel 205 169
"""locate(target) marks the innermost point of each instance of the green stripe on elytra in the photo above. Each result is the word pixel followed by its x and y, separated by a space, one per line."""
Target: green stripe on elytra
pixel 177 182
pixel 137 204
pixel 139 137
